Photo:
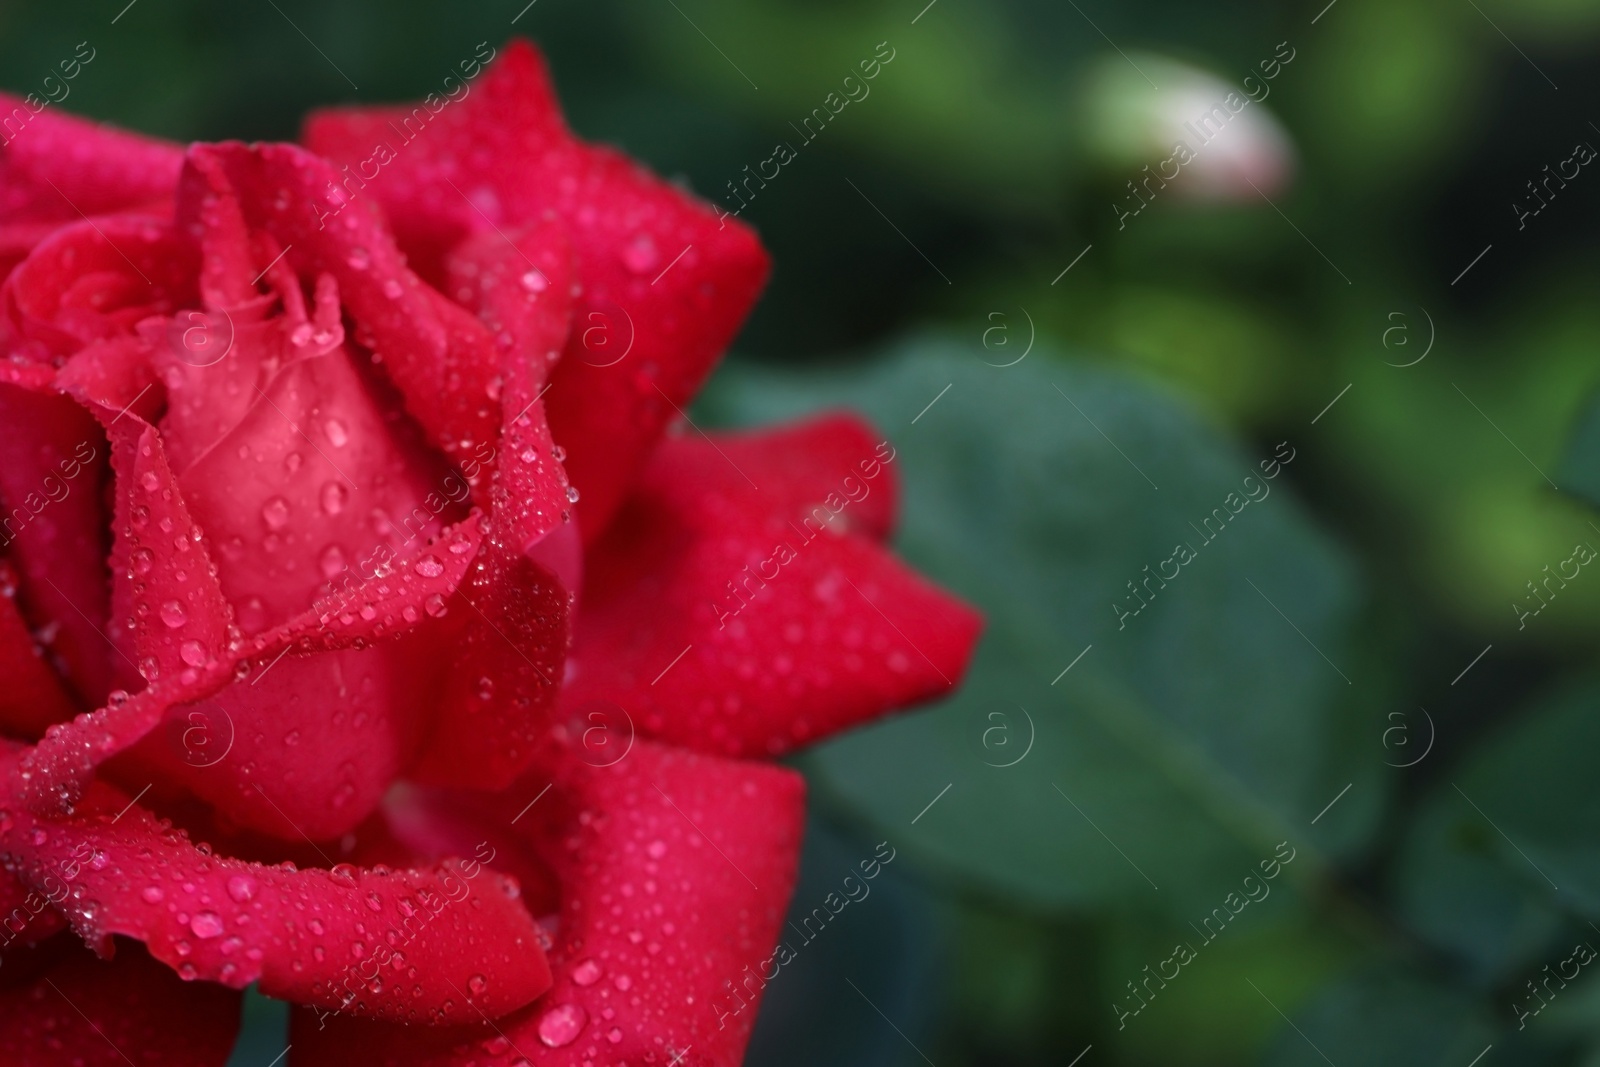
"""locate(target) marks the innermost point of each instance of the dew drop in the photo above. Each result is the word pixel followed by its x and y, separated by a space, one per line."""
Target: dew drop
pixel 428 566
pixel 561 1025
pixel 641 256
pixel 334 495
pixel 173 615
pixel 586 973
pixel 337 434
pixel 206 924
pixel 275 513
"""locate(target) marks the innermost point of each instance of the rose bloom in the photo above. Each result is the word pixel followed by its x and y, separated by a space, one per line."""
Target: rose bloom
pixel 371 632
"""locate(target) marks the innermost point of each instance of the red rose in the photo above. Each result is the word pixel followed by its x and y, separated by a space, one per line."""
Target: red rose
pixel 350 468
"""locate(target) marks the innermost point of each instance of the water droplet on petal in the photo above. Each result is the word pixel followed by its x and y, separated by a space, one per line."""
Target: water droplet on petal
pixel 337 434
pixel 275 513
pixel 334 495
pixel 173 615
pixel 641 256
pixel 206 924
pixel 562 1024
pixel 586 973
pixel 242 887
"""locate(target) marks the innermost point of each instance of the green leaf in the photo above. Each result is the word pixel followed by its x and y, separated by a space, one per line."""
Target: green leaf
pixel 1189 738
pixel 1389 1019
pixel 1507 847
pixel 1579 472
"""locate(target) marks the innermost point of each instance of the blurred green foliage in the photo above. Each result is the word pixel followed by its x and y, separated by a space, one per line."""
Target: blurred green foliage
pixel 1401 542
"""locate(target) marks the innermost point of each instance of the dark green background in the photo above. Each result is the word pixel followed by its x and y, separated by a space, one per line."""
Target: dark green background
pixel 1223 719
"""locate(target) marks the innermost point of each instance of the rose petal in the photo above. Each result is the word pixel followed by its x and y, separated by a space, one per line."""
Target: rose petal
pixel 666 283
pixel 95 279
pixel 515 619
pixel 56 770
pixel 742 621
pixel 165 593
pixel 114 374
pixel 53 529
pixel 17 240
pixel 111 1013
pixel 31 694
pixel 318 937
pixel 53 774
pixel 520 285
pixel 54 165
pixel 312 485
pixel 306 748
pixel 27 917
pixel 676 870
pixel 441 359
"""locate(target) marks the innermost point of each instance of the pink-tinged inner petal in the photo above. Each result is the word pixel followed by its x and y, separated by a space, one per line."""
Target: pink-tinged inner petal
pixel 440 358
pixel 95 279
pixel 312 487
